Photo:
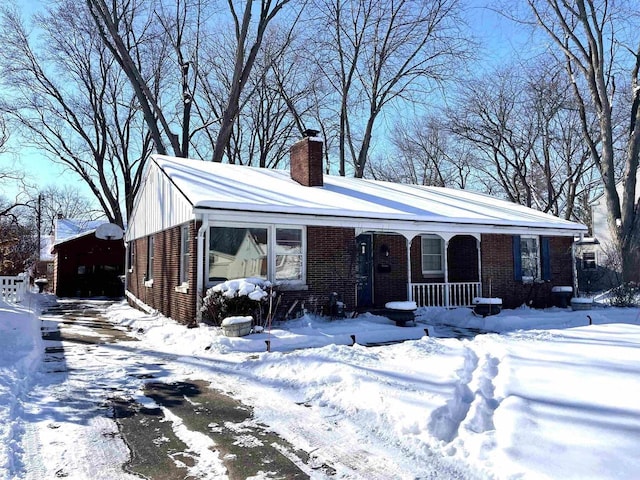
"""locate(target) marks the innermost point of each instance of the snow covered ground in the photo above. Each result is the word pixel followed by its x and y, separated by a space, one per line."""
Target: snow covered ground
pixel 545 396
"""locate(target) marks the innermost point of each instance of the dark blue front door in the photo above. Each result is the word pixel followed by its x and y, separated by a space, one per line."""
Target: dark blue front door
pixel 364 292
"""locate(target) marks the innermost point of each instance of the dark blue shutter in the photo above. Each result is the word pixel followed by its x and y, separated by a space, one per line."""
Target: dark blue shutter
pixel 517 259
pixel 545 261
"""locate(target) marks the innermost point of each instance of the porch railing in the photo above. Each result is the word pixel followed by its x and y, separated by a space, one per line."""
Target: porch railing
pixel 13 289
pixel 459 294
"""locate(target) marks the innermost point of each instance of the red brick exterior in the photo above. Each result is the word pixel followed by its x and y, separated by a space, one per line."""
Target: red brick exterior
pixel 331 267
pixel 162 294
pixel 462 261
pixel 306 162
pixel 389 272
pixel 498 278
pixel 331 263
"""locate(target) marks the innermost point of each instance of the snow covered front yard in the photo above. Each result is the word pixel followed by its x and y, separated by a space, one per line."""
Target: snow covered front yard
pixel 545 396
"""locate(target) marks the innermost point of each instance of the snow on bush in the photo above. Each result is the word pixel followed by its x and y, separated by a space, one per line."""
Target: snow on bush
pixel 237 297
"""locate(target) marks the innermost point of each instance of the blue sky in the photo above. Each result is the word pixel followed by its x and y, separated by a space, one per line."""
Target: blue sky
pixel 501 40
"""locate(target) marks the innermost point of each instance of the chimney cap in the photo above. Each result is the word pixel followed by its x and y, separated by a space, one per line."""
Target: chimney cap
pixel 310 132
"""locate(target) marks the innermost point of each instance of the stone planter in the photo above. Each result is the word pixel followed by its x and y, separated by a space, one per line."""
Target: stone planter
pixel 487 306
pixel 561 295
pixel 41 283
pixel 236 326
pixel 581 303
pixel 401 312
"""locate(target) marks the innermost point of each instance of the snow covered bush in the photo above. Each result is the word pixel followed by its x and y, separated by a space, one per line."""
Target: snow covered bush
pixel 625 295
pixel 239 297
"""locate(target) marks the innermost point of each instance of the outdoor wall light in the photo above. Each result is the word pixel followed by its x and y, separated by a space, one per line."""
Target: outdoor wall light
pixel 384 249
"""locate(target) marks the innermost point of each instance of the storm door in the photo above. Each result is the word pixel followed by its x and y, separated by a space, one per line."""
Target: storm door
pixel 364 289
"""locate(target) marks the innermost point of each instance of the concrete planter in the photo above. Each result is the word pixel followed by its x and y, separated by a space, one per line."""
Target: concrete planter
pixel 236 326
pixel 487 306
pixel 401 312
pixel 561 295
pixel 581 303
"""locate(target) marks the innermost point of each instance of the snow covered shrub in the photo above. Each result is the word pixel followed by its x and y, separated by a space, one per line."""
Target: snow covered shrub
pixel 625 295
pixel 239 297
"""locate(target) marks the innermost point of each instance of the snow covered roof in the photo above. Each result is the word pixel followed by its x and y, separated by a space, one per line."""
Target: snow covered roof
pixel 66 228
pixel 209 185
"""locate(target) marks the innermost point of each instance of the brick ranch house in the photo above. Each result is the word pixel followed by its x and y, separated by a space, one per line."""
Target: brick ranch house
pixel 197 223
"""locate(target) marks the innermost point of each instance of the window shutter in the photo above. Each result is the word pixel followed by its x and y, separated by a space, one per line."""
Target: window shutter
pixel 517 259
pixel 545 254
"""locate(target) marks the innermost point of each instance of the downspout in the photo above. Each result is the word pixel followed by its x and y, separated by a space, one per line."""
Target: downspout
pixel 200 265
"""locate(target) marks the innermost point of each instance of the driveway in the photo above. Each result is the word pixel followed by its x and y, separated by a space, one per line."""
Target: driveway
pixel 98 386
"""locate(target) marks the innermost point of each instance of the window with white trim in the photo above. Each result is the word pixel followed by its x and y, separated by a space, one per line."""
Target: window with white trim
pixel 131 255
pixel 288 254
pixel 432 255
pixel 184 254
pixel 275 253
pixel 589 261
pixel 150 248
pixel 530 258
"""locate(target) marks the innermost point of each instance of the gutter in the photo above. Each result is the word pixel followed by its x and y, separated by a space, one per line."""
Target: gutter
pixel 200 263
pixel 392 224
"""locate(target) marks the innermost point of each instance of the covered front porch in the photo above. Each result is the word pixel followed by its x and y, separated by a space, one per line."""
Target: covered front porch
pixel 432 269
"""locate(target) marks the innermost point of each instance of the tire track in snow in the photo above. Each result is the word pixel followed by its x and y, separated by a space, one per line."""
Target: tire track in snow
pixel 329 442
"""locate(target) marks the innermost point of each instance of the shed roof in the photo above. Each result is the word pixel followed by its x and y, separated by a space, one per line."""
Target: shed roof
pixel 209 185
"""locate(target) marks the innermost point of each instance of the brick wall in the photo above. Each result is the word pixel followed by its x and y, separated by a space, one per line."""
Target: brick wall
pixel 389 272
pixel 162 295
pixel 498 275
pixel 331 262
pixel 463 259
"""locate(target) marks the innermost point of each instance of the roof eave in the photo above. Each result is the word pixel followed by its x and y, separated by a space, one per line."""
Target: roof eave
pixel 390 224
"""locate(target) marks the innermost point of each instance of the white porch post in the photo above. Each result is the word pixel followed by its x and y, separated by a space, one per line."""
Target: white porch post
pixel 409 289
pixel 574 269
pixel 445 262
pixel 478 244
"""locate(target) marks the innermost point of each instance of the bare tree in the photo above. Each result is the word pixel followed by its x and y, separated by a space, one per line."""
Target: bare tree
pixel 69 101
pixel 123 24
pixel 377 52
pixel 18 243
pixel 491 117
pixel 426 153
pixel 594 39
pixel 524 124
pixel 66 201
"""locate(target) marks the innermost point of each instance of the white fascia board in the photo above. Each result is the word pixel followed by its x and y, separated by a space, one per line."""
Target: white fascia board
pixel 385 225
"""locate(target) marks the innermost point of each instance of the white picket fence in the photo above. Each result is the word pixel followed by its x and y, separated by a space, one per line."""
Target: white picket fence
pixel 13 289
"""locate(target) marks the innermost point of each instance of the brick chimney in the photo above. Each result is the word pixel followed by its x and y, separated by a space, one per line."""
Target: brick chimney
pixel 306 160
